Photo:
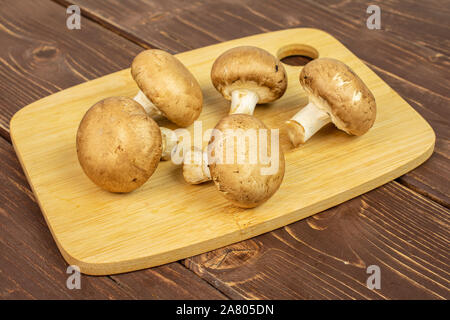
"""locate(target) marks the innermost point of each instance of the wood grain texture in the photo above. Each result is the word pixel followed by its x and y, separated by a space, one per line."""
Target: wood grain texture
pixel 423 23
pixel 326 256
pixel 428 179
pixel 184 27
pixel 164 220
pixel 410 52
pixel 31 266
pixel 41 56
pixel 418 96
pixel 171 281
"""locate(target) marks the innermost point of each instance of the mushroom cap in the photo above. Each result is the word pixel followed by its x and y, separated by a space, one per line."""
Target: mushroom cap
pixel 243 183
pixel 334 87
pixel 169 85
pixel 118 144
pixel 249 68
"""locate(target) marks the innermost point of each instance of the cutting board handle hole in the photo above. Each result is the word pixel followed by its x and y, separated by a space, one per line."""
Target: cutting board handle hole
pixel 297 54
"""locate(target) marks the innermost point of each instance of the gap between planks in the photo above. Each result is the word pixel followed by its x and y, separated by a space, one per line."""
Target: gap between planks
pixel 108 26
pixel 148 45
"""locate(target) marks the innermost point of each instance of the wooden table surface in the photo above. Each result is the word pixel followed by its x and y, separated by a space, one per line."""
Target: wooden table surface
pixel 403 226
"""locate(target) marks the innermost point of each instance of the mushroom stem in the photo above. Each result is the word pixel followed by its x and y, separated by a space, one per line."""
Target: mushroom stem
pixel 195 167
pixel 306 123
pixel 243 101
pixel 169 143
pixel 149 107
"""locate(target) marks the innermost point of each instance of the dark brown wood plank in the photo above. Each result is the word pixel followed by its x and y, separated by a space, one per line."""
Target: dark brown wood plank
pixel 171 281
pixel 179 27
pixel 424 23
pixel 326 256
pixel 40 56
pixel 409 64
pixel 175 37
pixel 427 179
pixel 31 266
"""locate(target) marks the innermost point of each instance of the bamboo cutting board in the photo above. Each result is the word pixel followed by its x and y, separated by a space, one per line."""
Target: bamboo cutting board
pixel 166 220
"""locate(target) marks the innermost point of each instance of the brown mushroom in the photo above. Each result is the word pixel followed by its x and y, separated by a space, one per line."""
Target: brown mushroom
pixel 195 166
pixel 167 87
pixel 237 169
pixel 169 142
pixel 118 144
pixel 248 76
pixel 336 94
